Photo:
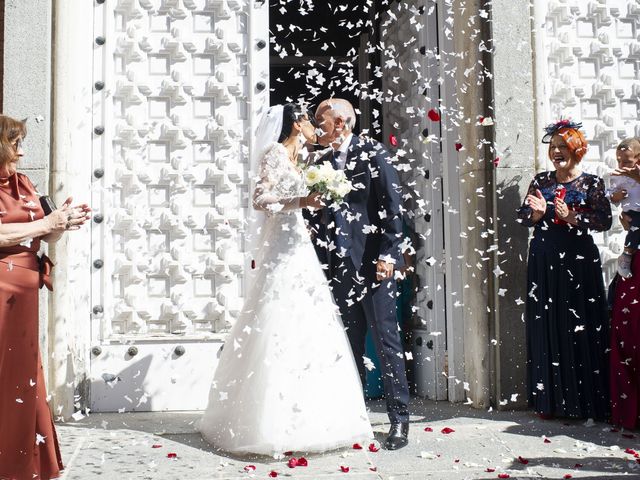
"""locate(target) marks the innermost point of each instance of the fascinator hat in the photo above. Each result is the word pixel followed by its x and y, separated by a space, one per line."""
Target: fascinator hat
pixel 571 134
pixel 552 129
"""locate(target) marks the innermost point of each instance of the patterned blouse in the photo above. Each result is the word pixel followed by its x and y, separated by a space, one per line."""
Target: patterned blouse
pixel 585 195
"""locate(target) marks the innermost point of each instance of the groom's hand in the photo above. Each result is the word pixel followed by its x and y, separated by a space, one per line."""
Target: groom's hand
pixel 384 270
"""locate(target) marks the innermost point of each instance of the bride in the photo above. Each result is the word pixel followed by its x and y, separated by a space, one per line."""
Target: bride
pixel 286 380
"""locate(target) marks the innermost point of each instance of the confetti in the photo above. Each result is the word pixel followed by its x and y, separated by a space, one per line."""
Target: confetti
pixel 434 115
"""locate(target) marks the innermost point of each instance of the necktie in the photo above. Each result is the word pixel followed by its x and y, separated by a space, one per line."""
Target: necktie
pixel 335 159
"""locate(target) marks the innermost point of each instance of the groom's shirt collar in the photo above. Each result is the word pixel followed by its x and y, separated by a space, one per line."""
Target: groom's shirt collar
pixel 343 151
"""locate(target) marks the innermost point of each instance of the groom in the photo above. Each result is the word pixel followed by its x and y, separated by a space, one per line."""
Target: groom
pixel 360 244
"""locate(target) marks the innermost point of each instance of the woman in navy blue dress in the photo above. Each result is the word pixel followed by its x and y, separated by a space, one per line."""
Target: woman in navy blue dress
pixel 566 311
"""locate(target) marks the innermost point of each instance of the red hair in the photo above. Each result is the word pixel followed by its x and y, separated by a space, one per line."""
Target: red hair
pixel 575 140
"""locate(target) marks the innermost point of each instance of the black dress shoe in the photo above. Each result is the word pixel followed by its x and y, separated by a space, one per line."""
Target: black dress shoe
pixel 398 436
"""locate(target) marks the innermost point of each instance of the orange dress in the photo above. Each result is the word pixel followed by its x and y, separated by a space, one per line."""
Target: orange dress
pixel 28 443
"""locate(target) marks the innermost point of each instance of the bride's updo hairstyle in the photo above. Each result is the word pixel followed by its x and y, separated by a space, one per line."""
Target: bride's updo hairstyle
pixel 290 114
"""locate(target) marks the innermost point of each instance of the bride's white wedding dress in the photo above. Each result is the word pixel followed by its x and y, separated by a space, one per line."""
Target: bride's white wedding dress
pixel 286 380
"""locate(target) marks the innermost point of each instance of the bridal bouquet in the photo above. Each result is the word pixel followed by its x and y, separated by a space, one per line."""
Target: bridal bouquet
pixel 328 181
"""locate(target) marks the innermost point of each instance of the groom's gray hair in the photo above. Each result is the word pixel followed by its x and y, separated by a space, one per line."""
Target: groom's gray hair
pixel 342 108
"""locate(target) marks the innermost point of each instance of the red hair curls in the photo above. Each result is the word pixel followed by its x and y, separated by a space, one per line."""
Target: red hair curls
pixel 575 140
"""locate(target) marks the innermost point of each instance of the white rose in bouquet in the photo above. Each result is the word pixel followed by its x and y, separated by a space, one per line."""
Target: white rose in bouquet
pixel 324 179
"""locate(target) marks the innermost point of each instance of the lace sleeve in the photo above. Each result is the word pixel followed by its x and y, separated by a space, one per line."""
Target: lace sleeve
pixel 524 212
pixel 597 214
pixel 266 196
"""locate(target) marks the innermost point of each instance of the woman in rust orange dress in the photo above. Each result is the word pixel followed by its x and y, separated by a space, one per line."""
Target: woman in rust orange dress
pixel 28 444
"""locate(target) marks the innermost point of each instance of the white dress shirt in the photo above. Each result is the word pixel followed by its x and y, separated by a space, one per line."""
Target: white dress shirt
pixel 341 161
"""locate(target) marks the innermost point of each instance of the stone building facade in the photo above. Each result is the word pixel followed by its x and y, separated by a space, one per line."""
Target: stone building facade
pixel 145 108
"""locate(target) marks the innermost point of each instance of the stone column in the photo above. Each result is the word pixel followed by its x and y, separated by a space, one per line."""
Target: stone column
pixel 27 94
pixel 514 136
pixel 475 170
pixel 69 330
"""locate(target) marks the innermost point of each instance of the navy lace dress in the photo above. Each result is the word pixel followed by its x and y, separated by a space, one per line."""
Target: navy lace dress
pixel 566 311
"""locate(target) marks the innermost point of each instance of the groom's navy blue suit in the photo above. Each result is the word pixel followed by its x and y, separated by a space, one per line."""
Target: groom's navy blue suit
pixel 368 226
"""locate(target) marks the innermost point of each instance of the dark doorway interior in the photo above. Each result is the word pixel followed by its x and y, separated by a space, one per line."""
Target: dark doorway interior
pixel 328 49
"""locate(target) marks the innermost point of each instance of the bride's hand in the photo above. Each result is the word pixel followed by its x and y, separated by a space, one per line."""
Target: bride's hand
pixel 313 201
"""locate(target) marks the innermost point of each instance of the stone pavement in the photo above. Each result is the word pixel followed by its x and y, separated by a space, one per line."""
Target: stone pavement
pixel 482 445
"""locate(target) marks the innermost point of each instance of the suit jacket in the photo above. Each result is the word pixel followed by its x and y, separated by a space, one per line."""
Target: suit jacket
pixel 369 223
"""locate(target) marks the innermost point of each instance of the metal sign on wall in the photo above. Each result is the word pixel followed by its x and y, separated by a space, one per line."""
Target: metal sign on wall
pixel 172 116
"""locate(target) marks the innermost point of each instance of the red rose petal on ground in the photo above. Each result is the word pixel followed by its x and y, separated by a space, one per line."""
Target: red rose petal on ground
pixel 302 462
pixel 490 470
pixel 373 447
pixel 156 446
pixel 253 264
pixel 344 469
pixel 357 446
pixel 249 468
pixel 428 429
pixel 546 440
pixel 433 115
pixel 630 451
pixel 287 454
pixel 457 460
pixel 447 430
pixel 577 465
pixel 393 140
pixel 293 462
pixel 503 475
pixel 373 469
pixel 273 474
pixel 458 147
pixel 172 455
pixel 496 161
pixel 523 460
pixel 568 475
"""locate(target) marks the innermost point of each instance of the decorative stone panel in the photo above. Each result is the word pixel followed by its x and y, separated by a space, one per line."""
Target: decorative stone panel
pixel 589 70
pixel 174 155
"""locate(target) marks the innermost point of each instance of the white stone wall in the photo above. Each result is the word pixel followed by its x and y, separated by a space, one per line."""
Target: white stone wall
pixel 174 101
pixel 588 68
pixel 174 155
